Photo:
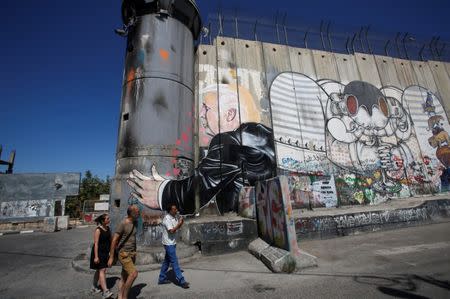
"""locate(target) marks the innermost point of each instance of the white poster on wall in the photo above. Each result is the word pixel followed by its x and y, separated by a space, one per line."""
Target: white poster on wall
pixel 101 206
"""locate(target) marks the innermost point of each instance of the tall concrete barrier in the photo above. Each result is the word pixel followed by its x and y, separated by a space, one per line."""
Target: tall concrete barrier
pixel 302 62
pixel 405 73
pixel 441 77
pixel 368 69
pixel 325 65
pixel 347 68
pixel 386 68
pixel 252 83
pixel 424 75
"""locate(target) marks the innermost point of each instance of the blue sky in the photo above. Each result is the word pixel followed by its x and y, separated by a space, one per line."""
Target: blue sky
pixel 61 68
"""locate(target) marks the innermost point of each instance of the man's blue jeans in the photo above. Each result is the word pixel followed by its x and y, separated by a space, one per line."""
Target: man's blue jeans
pixel 171 258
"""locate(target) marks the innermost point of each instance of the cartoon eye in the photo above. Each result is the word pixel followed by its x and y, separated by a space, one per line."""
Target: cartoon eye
pixel 382 103
pixel 352 104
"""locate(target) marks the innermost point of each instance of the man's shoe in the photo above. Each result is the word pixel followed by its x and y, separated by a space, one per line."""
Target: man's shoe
pixel 164 282
pixel 185 285
pixel 96 290
pixel 107 294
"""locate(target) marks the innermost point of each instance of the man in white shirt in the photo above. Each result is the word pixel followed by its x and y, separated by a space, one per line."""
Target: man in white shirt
pixel 170 226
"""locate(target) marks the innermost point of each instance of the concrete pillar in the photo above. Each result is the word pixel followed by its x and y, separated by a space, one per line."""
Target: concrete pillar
pixel 157 108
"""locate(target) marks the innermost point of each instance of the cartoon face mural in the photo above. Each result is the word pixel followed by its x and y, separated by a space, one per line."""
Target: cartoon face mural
pixel 371 145
pixel 372 127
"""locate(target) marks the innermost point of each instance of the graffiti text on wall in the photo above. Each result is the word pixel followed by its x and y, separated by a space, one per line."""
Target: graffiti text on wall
pixel 26 208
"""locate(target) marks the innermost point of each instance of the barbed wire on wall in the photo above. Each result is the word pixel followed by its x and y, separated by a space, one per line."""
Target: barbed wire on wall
pixel 326 36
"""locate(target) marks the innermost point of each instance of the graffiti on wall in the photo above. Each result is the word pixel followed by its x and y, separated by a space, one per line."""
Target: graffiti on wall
pixel 247 202
pixel 432 127
pixel 312 191
pixel 362 135
pixel 236 146
pixel 234 159
pixel 26 208
pixel 274 213
pixel 338 143
pixel 344 224
pixel 225 106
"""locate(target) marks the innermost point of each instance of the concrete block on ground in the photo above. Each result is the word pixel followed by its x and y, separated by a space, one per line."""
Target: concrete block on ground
pixel 49 224
pixel 278 260
pixel 219 234
pixel 304 260
pixel 257 247
pixel 62 222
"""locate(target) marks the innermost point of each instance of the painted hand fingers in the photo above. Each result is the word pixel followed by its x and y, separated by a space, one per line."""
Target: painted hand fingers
pixel 156 175
pixel 135 186
pixel 140 176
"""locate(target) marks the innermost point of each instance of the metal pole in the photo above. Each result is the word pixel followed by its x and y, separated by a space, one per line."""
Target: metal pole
pixel 236 26
pixel 220 24
pixel 285 31
pixel 442 49
pixel 353 43
pixel 367 40
pixel 305 39
pixel 328 36
pixel 430 45
pixel 346 45
pixel 360 40
pixel 421 52
pixel 276 26
pixel 404 45
pixel 254 31
pixel 321 35
pixel 285 36
pixel 435 46
pixel 396 44
pixel 386 47
pixel 209 29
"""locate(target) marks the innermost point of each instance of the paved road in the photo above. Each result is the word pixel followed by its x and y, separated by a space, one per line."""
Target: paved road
pixel 406 263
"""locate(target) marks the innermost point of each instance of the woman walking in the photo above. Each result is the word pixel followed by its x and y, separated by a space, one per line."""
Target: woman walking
pixel 100 255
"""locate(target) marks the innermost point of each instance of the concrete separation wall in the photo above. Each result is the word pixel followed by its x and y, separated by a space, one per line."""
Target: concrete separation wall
pixel 35 195
pixel 347 223
pixel 347 129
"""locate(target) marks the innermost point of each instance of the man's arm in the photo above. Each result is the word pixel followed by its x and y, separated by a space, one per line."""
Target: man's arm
pixel 177 227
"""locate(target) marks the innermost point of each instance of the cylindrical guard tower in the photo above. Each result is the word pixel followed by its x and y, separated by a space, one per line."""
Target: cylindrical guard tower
pixel 157 107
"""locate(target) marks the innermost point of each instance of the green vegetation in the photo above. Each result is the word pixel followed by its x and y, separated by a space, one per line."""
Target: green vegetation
pixel 90 189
